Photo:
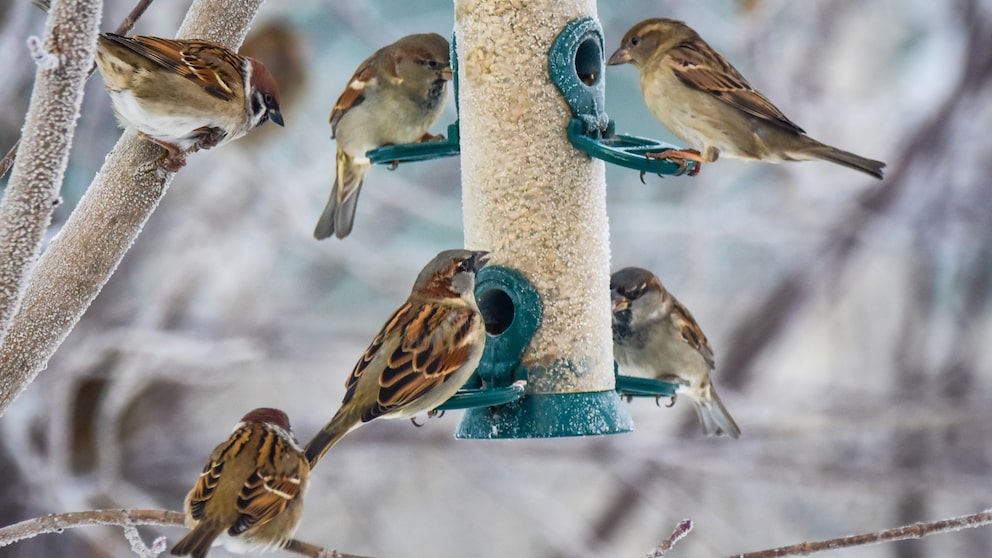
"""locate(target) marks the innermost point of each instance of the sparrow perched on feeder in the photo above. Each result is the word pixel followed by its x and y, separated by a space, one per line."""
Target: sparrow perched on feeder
pixel 250 491
pixel 655 337
pixel 395 96
pixel 424 353
pixel 185 95
pixel 707 103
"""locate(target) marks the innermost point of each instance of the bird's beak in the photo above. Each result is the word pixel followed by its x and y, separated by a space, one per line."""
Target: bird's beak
pixel 621 56
pixel 276 117
pixel 619 302
pixel 447 74
pixel 479 260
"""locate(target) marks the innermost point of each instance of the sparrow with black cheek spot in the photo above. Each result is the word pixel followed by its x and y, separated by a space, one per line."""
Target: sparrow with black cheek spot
pixel 395 96
pixel 185 95
pixel 655 337
pixel 424 353
pixel 707 103
pixel 250 493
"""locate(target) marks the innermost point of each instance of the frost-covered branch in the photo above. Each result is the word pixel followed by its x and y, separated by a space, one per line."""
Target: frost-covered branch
pixel 683 528
pixel 914 531
pixel 56 523
pixel 80 260
pixel 129 520
pixel 64 56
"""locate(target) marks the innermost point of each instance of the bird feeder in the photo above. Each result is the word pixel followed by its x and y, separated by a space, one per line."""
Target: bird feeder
pixel 547 369
pixel 539 206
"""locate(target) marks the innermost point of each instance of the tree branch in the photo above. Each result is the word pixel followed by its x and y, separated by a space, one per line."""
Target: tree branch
pixel 682 529
pixel 128 519
pixel 63 57
pixel 81 259
pixel 914 531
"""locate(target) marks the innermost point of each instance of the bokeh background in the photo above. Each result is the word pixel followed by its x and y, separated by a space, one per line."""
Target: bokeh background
pixel 851 318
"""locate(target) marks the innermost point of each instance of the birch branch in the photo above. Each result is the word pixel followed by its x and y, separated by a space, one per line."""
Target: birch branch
pixel 81 259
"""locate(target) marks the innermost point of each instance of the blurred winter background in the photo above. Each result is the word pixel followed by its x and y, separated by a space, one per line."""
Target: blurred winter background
pixel 851 318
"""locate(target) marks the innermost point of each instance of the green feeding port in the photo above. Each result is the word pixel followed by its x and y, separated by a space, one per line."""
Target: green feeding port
pixel 629 386
pixel 576 65
pixel 448 146
pixel 495 400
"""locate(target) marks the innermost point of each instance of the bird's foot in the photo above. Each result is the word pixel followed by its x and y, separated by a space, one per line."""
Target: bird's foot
pixel 171 161
pixel 208 138
pixel 429 137
pixel 680 157
pixel 671 401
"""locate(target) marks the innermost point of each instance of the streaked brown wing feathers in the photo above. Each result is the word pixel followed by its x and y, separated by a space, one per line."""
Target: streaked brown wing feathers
pixel 435 345
pixel 214 68
pixel 353 94
pixel 708 71
pixel 275 483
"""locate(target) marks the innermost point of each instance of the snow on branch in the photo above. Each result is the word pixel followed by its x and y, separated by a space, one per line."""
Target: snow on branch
pixel 81 259
pixel 914 531
pixel 129 519
pixel 64 58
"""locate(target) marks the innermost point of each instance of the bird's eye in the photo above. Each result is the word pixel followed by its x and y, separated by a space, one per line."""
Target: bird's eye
pixel 269 99
pixel 635 40
pixel 634 293
pixel 464 266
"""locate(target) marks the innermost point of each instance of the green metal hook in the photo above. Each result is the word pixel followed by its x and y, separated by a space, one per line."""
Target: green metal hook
pixel 575 63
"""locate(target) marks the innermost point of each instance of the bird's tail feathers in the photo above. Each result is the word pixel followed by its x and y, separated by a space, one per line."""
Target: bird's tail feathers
pixel 339 213
pixel 198 541
pixel 715 418
pixel 845 158
pixel 328 436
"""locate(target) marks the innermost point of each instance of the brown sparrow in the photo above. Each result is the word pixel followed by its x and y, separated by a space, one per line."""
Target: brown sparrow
pixel 251 489
pixel 709 105
pixel 424 353
pixel 185 95
pixel 395 96
pixel 655 337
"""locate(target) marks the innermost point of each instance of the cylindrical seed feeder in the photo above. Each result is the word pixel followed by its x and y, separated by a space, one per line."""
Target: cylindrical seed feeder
pixel 540 206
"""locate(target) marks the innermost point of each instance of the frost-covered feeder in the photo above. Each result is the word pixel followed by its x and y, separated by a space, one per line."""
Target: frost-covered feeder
pixel 539 206
pixel 576 67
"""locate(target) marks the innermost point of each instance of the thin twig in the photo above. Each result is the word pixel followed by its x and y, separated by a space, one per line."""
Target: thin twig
pixel 123 29
pixel 128 519
pixel 683 528
pixel 914 531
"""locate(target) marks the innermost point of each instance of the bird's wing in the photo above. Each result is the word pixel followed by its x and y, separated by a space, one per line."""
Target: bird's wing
pixel 420 347
pixel 702 68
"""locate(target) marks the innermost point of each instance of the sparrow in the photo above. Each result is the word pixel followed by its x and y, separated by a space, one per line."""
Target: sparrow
pixel 655 337
pixel 707 103
pixel 250 490
pixel 423 354
pixel 185 95
pixel 395 96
